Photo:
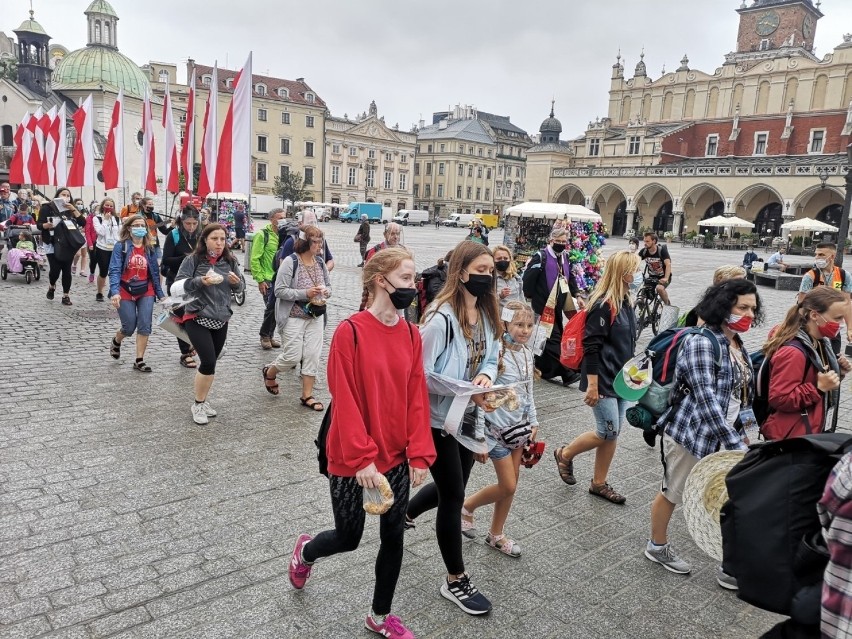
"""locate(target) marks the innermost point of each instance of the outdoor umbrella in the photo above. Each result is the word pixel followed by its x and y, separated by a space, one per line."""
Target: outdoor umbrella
pixel 810 225
pixel 729 222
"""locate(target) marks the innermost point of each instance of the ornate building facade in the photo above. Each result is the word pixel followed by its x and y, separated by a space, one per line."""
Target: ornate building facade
pixel 750 139
pixel 368 161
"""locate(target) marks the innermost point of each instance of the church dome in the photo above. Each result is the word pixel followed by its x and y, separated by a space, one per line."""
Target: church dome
pixel 551 125
pixel 103 7
pixel 31 26
pixel 89 68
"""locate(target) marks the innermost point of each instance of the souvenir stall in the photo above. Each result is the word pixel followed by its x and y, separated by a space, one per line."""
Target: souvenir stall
pixel 224 205
pixel 528 227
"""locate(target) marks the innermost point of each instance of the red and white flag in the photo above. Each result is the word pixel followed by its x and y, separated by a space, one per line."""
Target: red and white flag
pixel 19 162
pixel 113 168
pixel 50 142
pixel 171 173
pixel 44 123
pixel 233 166
pixel 36 142
pixel 82 171
pixel 188 148
pixel 149 176
pixel 210 138
pixel 58 130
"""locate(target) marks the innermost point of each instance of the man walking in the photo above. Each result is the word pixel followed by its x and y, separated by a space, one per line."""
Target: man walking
pixel 363 238
pixel 133 207
pixel 263 249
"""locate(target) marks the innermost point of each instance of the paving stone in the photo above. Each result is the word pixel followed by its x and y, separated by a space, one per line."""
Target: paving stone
pixel 110 625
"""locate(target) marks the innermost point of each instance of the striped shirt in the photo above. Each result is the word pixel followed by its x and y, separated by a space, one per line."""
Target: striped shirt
pixel 835 514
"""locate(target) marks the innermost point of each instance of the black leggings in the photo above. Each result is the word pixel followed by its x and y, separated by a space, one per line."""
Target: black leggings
pixel 93 256
pixel 101 260
pixel 57 268
pixel 347 504
pixel 208 344
pixel 450 473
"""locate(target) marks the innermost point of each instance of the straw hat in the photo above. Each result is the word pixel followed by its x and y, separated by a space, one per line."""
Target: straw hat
pixel 703 497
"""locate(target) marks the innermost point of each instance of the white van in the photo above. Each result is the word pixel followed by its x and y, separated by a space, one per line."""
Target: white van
pixel 406 217
pixel 459 219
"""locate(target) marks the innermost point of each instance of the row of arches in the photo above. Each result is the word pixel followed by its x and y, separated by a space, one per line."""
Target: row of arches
pixel 653 206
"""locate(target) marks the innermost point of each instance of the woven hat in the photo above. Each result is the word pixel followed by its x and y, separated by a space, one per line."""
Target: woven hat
pixel 703 497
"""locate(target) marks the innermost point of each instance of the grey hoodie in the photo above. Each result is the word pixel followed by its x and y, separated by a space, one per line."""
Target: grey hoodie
pixel 213 302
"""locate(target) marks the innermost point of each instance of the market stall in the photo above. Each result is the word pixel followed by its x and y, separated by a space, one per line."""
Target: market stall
pixel 528 227
pixel 224 205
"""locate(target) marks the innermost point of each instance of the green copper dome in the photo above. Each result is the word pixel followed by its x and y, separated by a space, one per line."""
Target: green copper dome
pixel 101 6
pixel 94 66
pixel 31 26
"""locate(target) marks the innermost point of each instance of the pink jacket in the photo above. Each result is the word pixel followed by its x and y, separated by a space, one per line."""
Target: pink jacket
pixel 89 231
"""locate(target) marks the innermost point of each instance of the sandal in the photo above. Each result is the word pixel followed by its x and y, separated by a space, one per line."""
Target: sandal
pixel 115 349
pixel 468 527
pixel 566 468
pixel 141 366
pixel 503 544
pixel 273 387
pixel 310 402
pixel 187 362
pixel 605 491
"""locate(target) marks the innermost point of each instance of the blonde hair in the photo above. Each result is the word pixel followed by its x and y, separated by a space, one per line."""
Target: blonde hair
pixel 382 263
pixel 611 287
pixel 125 234
pixel 512 271
pixel 728 272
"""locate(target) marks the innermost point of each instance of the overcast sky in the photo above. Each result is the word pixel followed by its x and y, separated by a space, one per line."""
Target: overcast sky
pixel 413 58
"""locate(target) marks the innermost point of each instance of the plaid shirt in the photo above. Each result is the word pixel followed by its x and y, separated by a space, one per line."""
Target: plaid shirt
pixel 698 421
pixel 835 513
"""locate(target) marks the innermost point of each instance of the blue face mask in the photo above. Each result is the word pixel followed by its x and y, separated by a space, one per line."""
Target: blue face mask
pixel 139 232
pixel 508 338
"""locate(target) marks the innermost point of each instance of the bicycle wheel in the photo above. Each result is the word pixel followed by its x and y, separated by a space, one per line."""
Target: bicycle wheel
pixel 641 311
pixel 656 315
pixel 240 298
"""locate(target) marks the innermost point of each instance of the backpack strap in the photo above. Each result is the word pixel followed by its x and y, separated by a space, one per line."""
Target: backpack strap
pixel 175 236
pixel 449 331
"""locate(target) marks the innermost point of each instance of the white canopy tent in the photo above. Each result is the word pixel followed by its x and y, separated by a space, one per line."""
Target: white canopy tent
pixel 809 225
pixel 727 222
pixel 553 211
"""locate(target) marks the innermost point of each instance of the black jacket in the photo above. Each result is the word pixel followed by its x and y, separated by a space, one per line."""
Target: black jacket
pixel 535 281
pixel 607 344
pixel 173 254
pixel 49 210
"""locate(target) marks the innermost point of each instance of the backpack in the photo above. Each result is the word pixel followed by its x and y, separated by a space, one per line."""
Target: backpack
pixel 571 349
pixel 321 442
pixel 770 528
pixel 816 276
pixel 663 352
pixel 175 236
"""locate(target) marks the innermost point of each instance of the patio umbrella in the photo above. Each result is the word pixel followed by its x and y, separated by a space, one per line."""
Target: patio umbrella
pixel 728 222
pixel 810 225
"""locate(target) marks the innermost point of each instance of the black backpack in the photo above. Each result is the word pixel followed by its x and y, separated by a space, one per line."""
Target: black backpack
pixel 771 537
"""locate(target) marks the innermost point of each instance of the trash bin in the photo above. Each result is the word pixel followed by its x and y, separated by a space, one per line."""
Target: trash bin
pixel 247 265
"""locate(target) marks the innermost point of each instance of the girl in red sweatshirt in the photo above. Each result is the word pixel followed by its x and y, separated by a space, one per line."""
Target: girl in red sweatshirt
pixel 379 427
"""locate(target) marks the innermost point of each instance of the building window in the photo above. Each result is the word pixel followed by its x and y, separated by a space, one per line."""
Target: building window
pixel 403 158
pixel 353 151
pixel 458 192
pixel 261 144
pixel 500 170
pixel 285 118
pixel 634 145
pixel 480 152
pixel 352 176
pixel 443 146
pixel 817 139
pixel 371 178
pixel 309 149
pixel 309 175
pixel 371 154
pixel 282 93
pixel 309 121
pixel 427 190
pixel 760 140
pixel 712 146
pixel 478 192
pixel 388 157
pixel 335 148
pixel 388 180
pixel 416 190
pixel 417 168
pixel 440 190
pixel 163 76
pixel 260 89
pixel 428 148
pixel 594 147
pixel 335 174
pixel 479 171
pixel 229 83
pixel 261 115
pixel 441 168
pixel 764 45
pixel 261 171
pixel 461 148
pixel 428 168
pixel 469 192
pixel 489 155
pixel 470 170
pixel 403 181
pixel 283 172
pixel 285 147
pixel 206 80
pixel 488 175
pixel 461 169
pixel 517 171
pixel 309 97
pixel 487 194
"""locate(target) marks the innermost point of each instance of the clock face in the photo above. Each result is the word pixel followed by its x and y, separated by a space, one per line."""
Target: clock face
pixel 767 23
pixel 808 27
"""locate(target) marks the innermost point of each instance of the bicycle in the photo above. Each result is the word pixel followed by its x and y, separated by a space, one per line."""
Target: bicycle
pixel 648 307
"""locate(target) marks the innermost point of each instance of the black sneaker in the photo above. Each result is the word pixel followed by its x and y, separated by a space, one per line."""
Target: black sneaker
pixel 51 292
pixel 99 297
pixel 465 595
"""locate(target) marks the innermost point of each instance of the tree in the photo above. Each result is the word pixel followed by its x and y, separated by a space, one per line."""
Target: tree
pixel 8 68
pixel 291 187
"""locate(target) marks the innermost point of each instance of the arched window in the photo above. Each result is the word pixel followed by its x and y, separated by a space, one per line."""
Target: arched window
pixel 260 89
pixel 763 97
pixel 820 86
pixel 229 83
pixel 646 107
pixel 309 97
pixel 668 99
pixel 790 91
pixel 689 105
pixel 163 76
pixel 107 34
pixel 847 96
pixel 206 80
pixel 737 99
pixel 97 30
pixel 7 135
pixel 712 102
pixel 626 106
pixel 283 93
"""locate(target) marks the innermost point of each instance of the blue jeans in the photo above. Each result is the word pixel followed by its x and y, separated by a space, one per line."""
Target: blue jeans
pixel 609 415
pixel 136 315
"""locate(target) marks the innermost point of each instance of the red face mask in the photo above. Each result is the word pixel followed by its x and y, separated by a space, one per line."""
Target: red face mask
pixel 108 209
pixel 739 323
pixel 829 329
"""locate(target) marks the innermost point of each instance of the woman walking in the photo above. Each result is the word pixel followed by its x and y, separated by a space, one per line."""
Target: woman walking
pixel 180 242
pixel 374 435
pixel 60 231
pixel 134 284
pixel 302 287
pixel 461 340
pixel 209 274
pixel 107 227
pixel 608 342
pixel 510 287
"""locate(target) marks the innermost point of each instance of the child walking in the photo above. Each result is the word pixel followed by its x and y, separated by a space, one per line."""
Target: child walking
pixel 508 430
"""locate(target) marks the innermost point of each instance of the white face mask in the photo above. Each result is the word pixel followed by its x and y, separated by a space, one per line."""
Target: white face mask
pixel 820 263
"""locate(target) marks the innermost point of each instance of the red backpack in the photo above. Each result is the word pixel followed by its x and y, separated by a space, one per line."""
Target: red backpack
pixel 571 355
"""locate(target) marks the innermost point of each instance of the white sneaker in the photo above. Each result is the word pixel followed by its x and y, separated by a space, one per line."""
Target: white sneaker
pixel 208 409
pixel 199 414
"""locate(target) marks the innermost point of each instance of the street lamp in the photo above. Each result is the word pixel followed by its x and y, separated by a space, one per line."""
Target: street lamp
pixel 843 232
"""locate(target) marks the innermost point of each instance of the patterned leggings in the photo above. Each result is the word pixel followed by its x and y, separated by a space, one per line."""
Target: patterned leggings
pixel 347 503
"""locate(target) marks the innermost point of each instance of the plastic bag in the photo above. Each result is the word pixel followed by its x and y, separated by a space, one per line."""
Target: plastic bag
pixel 377 501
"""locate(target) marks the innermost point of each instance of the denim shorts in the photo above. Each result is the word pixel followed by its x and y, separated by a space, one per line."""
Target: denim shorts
pixel 499 451
pixel 609 415
pixel 136 315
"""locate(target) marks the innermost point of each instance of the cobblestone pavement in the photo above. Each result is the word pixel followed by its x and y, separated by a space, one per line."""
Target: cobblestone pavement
pixel 119 517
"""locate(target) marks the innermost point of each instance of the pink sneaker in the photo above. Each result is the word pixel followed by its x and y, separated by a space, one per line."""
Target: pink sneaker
pixel 300 571
pixel 91 278
pixel 391 627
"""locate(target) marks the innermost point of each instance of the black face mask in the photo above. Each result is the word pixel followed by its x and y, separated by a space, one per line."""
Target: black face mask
pixel 558 248
pixel 402 297
pixel 150 209
pixel 479 285
pixel 502 265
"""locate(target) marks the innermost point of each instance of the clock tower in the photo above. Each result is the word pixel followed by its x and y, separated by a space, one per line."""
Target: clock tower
pixel 767 25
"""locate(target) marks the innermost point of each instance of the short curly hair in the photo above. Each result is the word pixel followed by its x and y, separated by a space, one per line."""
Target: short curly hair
pixel 716 303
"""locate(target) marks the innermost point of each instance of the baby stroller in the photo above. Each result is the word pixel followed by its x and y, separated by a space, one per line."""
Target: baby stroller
pixel 26 263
